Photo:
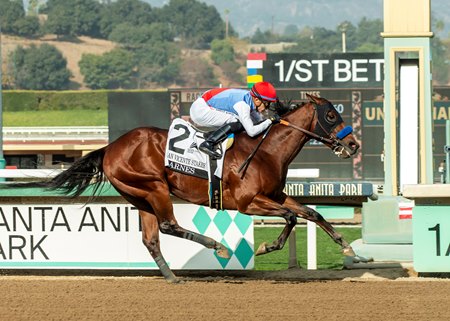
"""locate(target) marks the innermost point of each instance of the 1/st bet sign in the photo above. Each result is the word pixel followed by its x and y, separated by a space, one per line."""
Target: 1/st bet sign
pixel 352 70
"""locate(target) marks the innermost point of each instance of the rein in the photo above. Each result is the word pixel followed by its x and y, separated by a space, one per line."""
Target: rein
pixel 307 132
pixel 334 141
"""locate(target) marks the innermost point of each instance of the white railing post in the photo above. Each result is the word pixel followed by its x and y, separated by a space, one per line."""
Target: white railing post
pixel 311 231
pixel 311 227
pixel 293 262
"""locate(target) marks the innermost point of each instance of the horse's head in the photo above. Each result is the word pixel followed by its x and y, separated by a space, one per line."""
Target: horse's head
pixel 329 124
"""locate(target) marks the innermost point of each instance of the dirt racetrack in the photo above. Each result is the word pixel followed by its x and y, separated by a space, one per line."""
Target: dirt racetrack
pixel 383 294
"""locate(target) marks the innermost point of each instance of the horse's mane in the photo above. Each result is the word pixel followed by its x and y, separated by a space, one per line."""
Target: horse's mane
pixel 282 108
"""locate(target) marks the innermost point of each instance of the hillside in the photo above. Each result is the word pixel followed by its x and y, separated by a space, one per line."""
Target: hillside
pixel 193 60
pixel 72 51
pixel 246 16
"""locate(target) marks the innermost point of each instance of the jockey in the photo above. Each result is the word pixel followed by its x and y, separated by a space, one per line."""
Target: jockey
pixel 230 110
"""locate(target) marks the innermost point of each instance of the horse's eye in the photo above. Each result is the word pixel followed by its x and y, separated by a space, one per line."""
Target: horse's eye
pixel 331 116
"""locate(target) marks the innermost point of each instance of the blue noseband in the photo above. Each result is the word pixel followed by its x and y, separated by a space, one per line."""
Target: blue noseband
pixel 347 130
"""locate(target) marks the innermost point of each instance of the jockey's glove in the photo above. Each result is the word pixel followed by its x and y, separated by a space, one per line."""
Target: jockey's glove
pixel 275 118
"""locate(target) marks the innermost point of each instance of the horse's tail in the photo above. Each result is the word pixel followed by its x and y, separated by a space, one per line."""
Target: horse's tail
pixel 85 172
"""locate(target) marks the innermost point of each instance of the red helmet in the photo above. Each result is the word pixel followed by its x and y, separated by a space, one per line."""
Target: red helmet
pixel 264 90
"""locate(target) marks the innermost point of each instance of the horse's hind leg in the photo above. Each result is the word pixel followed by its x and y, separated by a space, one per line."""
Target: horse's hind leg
pixel 150 238
pixel 160 201
pixel 175 230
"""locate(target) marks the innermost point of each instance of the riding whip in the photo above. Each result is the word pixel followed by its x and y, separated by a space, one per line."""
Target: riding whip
pixel 247 161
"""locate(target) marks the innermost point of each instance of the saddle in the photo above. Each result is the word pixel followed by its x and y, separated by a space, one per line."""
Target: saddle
pixel 182 155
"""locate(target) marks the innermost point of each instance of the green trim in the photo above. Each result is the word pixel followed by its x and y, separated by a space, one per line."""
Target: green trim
pixel 107 190
pixel 26 264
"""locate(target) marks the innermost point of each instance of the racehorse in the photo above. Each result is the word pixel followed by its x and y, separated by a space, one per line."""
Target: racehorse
pixel 134 165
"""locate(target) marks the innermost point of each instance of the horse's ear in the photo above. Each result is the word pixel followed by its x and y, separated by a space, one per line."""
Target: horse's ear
pixel 312 98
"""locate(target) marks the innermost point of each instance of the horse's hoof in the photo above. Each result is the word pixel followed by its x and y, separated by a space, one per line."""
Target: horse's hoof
pixel 350 261
pixel 175 281
pixel 348 251
pixel 262 249
pixel 222 252
pixel 362 259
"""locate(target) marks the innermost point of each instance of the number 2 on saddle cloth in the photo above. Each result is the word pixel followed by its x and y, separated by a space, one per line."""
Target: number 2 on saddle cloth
pixel 182 155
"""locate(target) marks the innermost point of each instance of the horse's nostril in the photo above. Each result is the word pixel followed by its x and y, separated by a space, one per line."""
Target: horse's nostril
pixel 353 145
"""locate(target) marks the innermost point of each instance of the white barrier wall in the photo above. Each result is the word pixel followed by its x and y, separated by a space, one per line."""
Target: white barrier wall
pixel 107 236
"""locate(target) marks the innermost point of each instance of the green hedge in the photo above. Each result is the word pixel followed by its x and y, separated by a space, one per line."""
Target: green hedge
pixel 24 100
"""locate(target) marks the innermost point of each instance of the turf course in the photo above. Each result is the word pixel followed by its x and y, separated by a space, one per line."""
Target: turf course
pixel 329 255
pixel 55 118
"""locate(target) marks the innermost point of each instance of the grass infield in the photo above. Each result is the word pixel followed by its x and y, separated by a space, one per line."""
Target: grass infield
pixel 55 118
pixel 329 255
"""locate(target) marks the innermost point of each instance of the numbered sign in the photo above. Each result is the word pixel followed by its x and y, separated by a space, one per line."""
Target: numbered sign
pixel 431 238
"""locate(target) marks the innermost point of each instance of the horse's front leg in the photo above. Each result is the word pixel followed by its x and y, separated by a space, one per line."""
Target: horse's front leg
pixel 262 205
pixel 314 216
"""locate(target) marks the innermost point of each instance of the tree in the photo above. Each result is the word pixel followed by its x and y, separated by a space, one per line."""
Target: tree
pixel 131 35
pixel 318 40
pixel 263 37
pixel 196 23
pixel 155 57
pixel 290 31
pixel 13 20
pixel 79 18
pixel 221 51
pixel 111 70
pixel 59 19
pixel 157 62
pixel 27 27
pixel 10 12
pixel 39 68
pixel 441 63
pixel 33 7
pixel 132 12
pixel 368 32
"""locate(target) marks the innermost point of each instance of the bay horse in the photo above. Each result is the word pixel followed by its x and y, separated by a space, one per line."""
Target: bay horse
pixel 134 165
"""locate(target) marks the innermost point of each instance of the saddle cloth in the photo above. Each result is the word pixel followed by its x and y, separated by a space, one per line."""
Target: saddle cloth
pixel 182 154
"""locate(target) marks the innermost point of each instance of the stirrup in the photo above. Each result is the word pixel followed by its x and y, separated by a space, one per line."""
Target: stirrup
pixel 207 148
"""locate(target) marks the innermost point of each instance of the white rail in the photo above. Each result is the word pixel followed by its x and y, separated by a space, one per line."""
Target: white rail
pixel 29 173
pixel 303 173
pixel 83 133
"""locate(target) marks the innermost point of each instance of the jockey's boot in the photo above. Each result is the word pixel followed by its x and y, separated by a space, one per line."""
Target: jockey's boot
pixel 209 145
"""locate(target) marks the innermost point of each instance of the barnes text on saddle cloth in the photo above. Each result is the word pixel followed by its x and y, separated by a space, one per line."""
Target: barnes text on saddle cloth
pixel 182 154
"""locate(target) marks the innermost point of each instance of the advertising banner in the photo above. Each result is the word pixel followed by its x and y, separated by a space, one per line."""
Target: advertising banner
pixel 298 70
pixel 108 236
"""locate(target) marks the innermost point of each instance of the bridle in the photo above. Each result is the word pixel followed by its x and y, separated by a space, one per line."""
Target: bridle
pixel 335 141
pixel 323 132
